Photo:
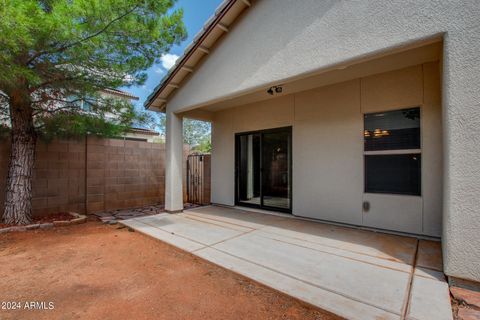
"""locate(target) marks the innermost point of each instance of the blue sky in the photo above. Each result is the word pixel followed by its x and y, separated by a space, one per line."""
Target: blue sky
pixel 195 14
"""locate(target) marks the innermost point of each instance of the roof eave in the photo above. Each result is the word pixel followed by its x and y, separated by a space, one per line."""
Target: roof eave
pixel 196 44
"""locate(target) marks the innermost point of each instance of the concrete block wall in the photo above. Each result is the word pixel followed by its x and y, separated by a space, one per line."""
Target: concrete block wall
pixel 92 175
pixel 59 177
pixel 124 174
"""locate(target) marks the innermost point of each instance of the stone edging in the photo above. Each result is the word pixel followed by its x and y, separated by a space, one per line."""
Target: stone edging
pixel 78 218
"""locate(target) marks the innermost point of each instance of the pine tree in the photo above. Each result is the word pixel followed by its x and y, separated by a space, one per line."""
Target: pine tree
pixel 56 53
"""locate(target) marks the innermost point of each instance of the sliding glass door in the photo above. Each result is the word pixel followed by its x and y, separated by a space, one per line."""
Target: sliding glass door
pixel 263 169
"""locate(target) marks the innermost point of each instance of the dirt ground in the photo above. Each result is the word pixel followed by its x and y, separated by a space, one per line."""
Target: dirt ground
pixel 61 216
pixel 95 271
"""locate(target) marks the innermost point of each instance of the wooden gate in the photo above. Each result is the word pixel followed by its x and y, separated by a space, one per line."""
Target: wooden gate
pixel 198 179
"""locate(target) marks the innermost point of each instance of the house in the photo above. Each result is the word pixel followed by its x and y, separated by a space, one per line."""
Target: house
pixel 134 133
pixel 362 113
pixel 142 134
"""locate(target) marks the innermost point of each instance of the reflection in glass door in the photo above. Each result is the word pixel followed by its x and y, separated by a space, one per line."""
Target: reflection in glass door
pixel 248 169
pixel 276 169
pixel 263 169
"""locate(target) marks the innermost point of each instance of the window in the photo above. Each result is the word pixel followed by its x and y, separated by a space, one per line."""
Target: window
pixel 392 152
pixel 393 130
pixel 394 174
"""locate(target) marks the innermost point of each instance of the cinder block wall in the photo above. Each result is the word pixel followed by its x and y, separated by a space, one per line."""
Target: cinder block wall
pixel 91 175
pixel 59 177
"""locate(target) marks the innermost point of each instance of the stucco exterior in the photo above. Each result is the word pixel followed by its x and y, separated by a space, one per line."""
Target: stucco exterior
pixel 280 41
pixel 327 171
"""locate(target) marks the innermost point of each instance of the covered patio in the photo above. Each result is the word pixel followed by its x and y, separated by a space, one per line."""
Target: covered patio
pixel 357 274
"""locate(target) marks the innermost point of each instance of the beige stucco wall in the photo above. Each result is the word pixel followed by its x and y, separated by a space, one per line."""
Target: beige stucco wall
pixel 328 143
pixel 328 153
pixel 147 137
pixel 277 41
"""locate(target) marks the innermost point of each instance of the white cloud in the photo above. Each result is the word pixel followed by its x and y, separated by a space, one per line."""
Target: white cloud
pixel 159 70
pixel 168 60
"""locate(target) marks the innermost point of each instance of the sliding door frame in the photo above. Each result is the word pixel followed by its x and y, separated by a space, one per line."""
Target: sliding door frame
pixel 262 172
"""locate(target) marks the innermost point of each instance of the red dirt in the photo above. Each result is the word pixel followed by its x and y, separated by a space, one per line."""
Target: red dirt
pixel 61 216
pixel 95 271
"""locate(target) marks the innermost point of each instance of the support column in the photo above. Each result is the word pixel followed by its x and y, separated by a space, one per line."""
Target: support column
pixel 174 163
pixel 461 122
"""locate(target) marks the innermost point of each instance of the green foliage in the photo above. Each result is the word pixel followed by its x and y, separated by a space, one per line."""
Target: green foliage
pixel 195 132
pixel 205 145
pixel 75 126
pixel 120 117
pixel 53 50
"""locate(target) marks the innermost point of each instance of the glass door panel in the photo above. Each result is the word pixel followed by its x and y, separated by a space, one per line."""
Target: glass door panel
pixel 248 169
pixel 276 169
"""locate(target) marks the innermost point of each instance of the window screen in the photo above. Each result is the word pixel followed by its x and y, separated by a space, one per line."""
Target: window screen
pixel 393 174
pixel 393 130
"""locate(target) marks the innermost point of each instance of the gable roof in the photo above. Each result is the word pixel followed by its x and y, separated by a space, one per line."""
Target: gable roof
pixel 144 131
pixel 120 93
pixel 203 41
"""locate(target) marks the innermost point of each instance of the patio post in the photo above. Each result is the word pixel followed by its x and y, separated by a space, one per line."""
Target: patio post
pixel 174 163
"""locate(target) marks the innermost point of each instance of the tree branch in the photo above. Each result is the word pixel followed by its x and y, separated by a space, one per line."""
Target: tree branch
pixel 4 96
pixel 52 81
pixel 67 46
pixel 52 111
pixel 59 100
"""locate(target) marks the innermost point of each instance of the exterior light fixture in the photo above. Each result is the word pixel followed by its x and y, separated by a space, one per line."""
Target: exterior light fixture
pixel 275 89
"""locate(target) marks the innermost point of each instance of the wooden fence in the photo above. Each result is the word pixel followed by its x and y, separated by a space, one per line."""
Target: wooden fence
pixel 198 179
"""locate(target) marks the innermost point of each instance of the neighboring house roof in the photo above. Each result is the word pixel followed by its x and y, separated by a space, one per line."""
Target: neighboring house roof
pixel 121 93
pixel 203 41
pixel 144 131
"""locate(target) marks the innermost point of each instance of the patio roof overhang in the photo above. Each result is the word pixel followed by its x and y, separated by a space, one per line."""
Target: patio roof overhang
pixel 215 27
pixel 412 54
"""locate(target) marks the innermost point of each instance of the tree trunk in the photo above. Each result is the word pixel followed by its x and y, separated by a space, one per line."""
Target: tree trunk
pixel 18 197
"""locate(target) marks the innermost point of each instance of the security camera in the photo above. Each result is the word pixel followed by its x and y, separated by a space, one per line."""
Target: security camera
pixel 275 89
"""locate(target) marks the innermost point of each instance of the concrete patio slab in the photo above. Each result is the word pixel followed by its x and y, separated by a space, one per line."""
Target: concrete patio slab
pixel 335 303
pixel 386 288
pixel 390 247
pixel 157 233
pixel 340 252
pixel 244 218
pixel 430 255
pixel 182 226
pixel 430 297
pixel 220 223
pixel 354 273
